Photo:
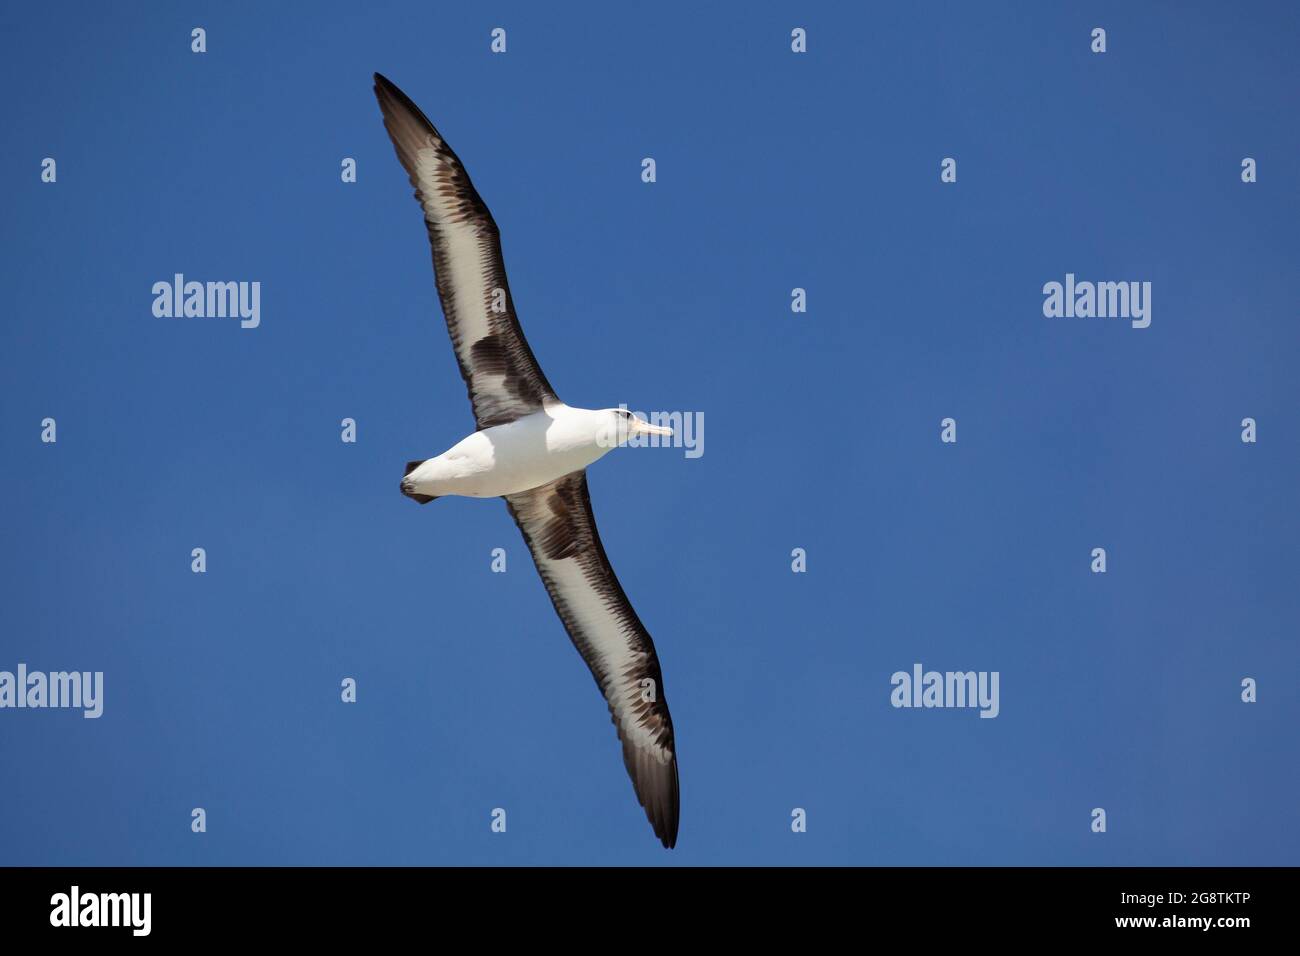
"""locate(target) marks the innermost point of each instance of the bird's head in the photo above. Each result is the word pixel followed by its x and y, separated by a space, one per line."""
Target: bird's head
pixel 620 426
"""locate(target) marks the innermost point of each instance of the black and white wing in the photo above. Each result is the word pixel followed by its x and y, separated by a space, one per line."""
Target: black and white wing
pixel 558 525
pixel 503 378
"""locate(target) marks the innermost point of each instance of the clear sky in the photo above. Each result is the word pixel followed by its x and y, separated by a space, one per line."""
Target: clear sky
pixel 775 170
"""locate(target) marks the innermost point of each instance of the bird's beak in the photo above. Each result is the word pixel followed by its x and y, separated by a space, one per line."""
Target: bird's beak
pixel 648 429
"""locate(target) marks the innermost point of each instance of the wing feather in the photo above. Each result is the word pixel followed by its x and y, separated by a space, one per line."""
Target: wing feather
pixel 557 523
pixel 501 374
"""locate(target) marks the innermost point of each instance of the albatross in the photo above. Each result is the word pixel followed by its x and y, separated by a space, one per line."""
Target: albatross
pixel 533 450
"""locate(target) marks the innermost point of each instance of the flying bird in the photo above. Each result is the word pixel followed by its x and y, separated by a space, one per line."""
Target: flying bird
pixel 533 450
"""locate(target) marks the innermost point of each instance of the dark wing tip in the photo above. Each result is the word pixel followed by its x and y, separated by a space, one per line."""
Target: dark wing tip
pixel 389 94
pixel 666 828
pixel 665 823
pixel 657 790
pixel 385 89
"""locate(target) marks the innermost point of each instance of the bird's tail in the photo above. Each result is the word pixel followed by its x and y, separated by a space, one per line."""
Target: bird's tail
pixel 408 487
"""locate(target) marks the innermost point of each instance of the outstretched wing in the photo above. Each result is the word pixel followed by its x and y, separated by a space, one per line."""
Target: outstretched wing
pixel 558 525
pixel 503 378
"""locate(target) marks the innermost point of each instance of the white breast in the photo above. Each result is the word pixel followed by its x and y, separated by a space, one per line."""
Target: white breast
pixel 520 455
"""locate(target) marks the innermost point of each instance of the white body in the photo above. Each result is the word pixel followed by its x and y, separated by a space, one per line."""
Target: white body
pixel 520 455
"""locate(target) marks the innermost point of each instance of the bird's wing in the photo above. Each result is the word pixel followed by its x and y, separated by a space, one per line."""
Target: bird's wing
pixel 558 525
pixel 503 378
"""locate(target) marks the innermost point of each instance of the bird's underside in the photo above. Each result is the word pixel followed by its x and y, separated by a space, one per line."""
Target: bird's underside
pixel 505 384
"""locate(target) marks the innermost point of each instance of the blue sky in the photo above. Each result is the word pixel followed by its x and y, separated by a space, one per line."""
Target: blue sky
pixel 1118 690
